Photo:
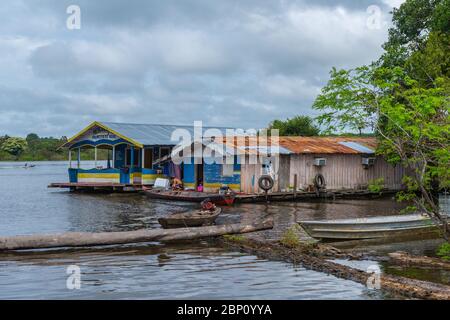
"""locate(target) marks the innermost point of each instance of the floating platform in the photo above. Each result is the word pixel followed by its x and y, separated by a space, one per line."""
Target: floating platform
pixel 96 186
pixel 303 195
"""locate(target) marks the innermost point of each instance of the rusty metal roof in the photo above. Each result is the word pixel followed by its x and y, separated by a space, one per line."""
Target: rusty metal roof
pixel 302 145
pixel 324 145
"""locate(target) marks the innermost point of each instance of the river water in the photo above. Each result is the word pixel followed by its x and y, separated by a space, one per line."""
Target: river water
pixel 194 270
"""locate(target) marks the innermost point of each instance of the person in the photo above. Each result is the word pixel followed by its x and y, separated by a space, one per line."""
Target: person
pixel 200 186
pixel 177 184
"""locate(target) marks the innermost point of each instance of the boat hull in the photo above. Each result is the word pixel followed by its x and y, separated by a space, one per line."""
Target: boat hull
pixel 194 219
pixel 191 196
pixel 370 228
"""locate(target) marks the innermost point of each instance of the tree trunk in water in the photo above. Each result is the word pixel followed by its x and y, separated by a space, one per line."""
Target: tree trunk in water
pixel 77 239
pixel 421 261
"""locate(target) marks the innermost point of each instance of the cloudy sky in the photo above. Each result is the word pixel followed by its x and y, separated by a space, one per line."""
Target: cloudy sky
pixel 238 63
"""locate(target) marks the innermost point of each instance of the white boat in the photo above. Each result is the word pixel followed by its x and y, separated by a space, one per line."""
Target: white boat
pixel 368 228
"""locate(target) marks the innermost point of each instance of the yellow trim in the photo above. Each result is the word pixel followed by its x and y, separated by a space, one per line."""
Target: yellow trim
pixel 152 176
pixel 218 185
pixel 99 175
pixel 96 123
pixel 189 184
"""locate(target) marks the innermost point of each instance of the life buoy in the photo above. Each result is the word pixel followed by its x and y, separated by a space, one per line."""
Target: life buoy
pixel 265 182
pixel 319 181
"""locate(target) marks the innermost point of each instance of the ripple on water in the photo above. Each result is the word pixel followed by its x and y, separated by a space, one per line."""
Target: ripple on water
pixel 191 271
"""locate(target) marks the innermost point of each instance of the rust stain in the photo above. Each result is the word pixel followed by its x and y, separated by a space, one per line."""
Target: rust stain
pixel 301 145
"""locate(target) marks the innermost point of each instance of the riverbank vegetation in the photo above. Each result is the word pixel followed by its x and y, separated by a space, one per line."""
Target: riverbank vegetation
pixel 404 97
pixel 35 148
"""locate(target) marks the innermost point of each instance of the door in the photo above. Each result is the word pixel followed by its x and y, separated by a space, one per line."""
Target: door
pixel 199 175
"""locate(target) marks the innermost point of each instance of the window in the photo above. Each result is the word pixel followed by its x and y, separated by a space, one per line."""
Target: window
pixel 227 170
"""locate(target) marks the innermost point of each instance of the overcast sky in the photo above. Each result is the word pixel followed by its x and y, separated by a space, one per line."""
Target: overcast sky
pixel 238 63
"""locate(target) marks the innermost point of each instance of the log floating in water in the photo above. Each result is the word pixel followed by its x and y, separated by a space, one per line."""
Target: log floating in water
pixel 79 239
pixel 419 261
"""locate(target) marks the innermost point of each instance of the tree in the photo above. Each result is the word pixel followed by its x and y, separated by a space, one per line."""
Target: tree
pixel 412 22
pixel 405 98
pixel 14 146
pixel 297 126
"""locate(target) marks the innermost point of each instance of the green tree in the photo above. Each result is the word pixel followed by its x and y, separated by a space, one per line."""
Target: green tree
pixel 297 126
pixel 412 22
pixel 405 100
pixel 14 146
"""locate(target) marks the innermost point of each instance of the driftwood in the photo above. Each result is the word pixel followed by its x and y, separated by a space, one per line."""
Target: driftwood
pixel 78 239
pixel 404 258
pixel 316 258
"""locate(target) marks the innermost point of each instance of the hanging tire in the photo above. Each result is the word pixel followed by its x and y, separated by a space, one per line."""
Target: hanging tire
pixel 319 181
pixel 265 182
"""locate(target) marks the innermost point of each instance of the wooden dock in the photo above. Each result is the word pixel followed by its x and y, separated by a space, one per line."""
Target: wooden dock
pixel 96 186
pixel 303 195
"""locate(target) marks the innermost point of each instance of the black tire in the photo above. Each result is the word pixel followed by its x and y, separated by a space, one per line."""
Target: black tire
pixel 265 182
pixel 319 181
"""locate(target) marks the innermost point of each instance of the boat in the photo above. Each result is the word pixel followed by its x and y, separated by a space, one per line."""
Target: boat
pixel 191 196
pixel 190 219
pixel 369 228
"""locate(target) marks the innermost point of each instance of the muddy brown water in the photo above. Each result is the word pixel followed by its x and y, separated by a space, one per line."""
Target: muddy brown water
pixel 194 270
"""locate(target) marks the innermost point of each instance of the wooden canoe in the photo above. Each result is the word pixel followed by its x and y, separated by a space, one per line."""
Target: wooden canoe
pixel 369 228
pixel 190 219
pixel 191 196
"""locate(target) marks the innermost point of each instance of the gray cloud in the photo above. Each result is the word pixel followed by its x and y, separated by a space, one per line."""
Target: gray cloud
pixel 240 63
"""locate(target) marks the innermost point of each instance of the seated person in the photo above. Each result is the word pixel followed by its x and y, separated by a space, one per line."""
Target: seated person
pixel 177 184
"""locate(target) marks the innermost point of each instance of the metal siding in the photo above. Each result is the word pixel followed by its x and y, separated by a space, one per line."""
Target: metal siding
pixel 344 172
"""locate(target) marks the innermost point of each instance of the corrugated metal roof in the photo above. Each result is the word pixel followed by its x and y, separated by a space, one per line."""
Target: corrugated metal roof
pixel 153 134
pixel 160 134
pixel 301 145
pixel 323 145
pixel 357 146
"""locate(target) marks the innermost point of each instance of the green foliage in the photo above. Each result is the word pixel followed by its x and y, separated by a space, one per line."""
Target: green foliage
pixel 14 146
pixel 403 98
pixel 290 238
pixel 444 251
pixel 297 126
pixel 376 185
pixel 42 149
pixel 412 22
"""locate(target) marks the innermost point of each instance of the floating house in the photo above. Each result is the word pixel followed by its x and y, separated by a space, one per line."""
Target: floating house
pixel 345 163
pixel 140 153
pixel 135 154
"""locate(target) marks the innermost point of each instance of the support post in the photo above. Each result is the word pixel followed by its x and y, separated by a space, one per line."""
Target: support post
pixel 70 159
pixel 95 156
pixel 295 186
pixel 114 157
pixel 79 157
pixel 131 164
pixel 143 158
